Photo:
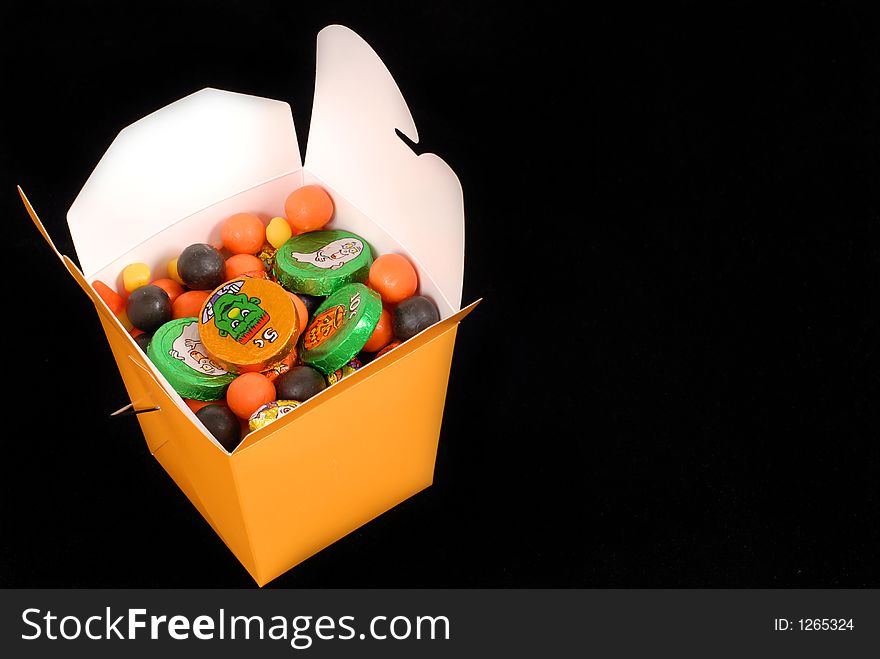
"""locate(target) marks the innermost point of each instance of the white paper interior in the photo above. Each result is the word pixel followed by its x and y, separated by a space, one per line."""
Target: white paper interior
pixel 176 161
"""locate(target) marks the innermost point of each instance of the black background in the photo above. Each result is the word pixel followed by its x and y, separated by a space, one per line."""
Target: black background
pixel 685 394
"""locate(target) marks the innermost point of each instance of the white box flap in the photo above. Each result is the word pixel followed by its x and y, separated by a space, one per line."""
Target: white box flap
pixel 353 147
pixel 190 154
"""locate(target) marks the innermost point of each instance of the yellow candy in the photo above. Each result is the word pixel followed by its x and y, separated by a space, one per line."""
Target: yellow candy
pixel 172 272
pixel 135 275
pixel 278 232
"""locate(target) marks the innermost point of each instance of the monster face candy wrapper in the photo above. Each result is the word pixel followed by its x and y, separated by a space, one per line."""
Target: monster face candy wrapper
pixel 178 353
pixel 320 262
pixel 248 324
pixel 340 328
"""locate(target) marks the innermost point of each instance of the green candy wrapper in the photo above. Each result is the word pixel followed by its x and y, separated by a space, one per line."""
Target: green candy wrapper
pixel 320 262
pixel 178 353
pixel 340 327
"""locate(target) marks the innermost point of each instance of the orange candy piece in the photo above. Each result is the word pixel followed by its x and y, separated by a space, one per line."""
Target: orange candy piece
pixel 308 208
pixel 247 392
pixel 382 335
pixel 394 278
pixel 302 314
pixel 243 233
pixel 113 299
pixel 189 304
pixel 169 286
pixel 241 264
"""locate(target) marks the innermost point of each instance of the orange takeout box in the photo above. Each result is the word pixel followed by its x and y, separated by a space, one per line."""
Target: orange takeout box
pixel 169 180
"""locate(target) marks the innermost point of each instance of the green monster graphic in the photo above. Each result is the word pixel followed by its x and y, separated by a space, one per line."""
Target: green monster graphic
pixel 235 314
pixel 238 316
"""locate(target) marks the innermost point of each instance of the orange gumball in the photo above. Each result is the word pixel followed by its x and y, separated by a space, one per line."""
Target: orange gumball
pixel 308 208
pixel 302 314
pixel 169 286
pixel 382 335
pixel 394 278
pixel 243 263
pixel 243 233
pixel 247 392
pixel 113 299
pixel 189 304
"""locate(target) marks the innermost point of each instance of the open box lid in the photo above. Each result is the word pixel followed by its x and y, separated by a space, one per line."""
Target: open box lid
pixel 214 144
pixel 353 147
pixel 174 162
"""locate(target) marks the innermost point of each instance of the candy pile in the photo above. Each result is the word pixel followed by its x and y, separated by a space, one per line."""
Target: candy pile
pixel 291 309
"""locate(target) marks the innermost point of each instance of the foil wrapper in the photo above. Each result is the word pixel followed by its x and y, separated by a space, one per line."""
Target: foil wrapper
pixel 248 324
pixel 340 327
pixel 321 262
pixel 271 412
pixel 347 369
pixel 177 351
pixel 267 256
pixel 277 370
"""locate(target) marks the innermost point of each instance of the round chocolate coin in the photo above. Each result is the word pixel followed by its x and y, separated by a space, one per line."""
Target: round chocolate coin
pixel 340 327
pixel 320 262
pixel 178 353
pixel 248 324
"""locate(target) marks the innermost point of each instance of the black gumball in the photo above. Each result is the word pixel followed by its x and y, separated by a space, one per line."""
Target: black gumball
pixel 413 315
pixel 312 302
pixel 143 340
pixel 201 267
pixel 148 308
pixel 299 383
pixel 222 423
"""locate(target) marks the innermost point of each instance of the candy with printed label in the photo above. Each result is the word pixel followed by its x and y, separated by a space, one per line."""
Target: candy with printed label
pixel 201 267
pixel 176 350
pixel 248 324
pixel 270 412
pixel 321 262
pixel 413 315
pixel 340 327
pixel 148 308
pixel 300 383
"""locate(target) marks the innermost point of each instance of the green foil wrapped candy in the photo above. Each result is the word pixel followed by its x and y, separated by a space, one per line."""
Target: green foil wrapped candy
pixel 320 262
pixel 340 327
pixel 177 351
